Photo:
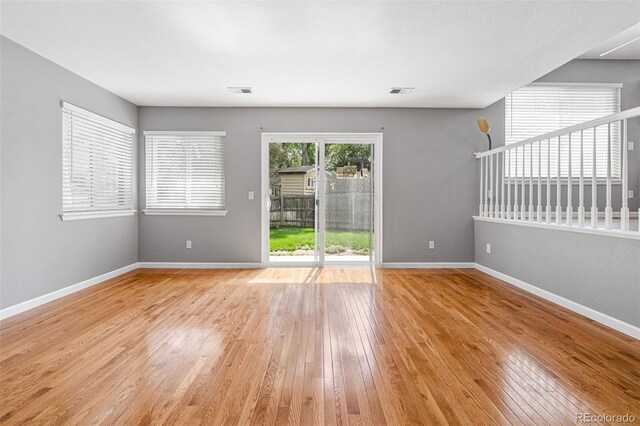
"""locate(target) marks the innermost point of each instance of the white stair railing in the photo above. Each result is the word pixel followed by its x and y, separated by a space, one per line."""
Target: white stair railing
pixel 531 176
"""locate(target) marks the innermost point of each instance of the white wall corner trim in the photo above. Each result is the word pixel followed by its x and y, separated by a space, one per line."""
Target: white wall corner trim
pixel 429 265
pixel 198 265
pixel 49 297
pixel 604 319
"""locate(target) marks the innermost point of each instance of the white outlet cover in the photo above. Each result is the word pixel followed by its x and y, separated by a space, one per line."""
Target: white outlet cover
pixel 251 195
pixel 432 244
pixel 630 145
pixel 631 193
pixel 188 244
pixel 488 248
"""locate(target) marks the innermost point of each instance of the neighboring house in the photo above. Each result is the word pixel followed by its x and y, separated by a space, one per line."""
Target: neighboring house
pixel 299 180
pixel 351 172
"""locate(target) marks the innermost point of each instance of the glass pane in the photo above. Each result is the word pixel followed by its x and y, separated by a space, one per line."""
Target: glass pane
pixel 348 202
pixel 292 191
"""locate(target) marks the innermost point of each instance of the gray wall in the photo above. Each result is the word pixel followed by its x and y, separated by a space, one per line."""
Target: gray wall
pixel 599 272
pixel 429 179
pixel 40 253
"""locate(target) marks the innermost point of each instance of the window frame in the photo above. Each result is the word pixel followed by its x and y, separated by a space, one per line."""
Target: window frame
pixel 183 211
pixel 72 215
pixel 564 178
pixel 311 182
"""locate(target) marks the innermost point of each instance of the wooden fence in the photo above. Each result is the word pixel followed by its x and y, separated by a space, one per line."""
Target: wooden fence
pixel 348 207
pixel 293 210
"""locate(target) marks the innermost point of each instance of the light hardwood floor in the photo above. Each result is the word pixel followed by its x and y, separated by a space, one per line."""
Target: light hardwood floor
pixel 308 346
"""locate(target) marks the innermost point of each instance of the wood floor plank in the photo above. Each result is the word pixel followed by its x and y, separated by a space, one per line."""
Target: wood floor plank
pixel 311 346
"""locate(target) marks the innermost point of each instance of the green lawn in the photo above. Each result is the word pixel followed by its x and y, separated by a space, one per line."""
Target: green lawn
pixel 290 238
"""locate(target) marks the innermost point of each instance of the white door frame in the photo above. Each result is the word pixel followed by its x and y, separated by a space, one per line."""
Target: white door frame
pixel 322 138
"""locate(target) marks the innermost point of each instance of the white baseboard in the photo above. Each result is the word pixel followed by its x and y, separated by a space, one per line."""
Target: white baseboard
pixel 428 265
pixel 198 265
pixel 605 319
pixel 40 300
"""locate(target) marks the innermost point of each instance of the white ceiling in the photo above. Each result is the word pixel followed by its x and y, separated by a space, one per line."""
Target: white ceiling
pixel 627 51
pixel 456 54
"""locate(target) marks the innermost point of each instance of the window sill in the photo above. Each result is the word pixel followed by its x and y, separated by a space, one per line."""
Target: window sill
pixel 68 216
pixel 563 227
pixel 185 212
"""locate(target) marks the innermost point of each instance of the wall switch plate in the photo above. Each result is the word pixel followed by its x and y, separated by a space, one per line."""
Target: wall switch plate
pixel 188 244
pixel 488 248
pixel 251 195
pixel 630 145
pixel 432 245
pixel 631 193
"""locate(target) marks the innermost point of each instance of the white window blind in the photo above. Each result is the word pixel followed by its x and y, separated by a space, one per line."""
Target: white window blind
pixel 185 171
pixel 542 108
pixel 97 164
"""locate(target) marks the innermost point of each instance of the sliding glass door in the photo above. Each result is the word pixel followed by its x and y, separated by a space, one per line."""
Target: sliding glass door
pixel 292 201
pixel 348 202
pixel 322 199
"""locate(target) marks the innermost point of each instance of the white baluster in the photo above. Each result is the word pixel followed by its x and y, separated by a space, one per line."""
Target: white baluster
pixel 594 185
pixel 608 210
pixel 581 184
pixel 508 212
pixel 569 189
pixel 531 182
pixel 481 209
pixel 558 190
pixel 502 171
pixel 548 207
pixel 496 209
pixel 539 207
pixel 523 207
pixel 486 186
pixel 492 194
pixel 490 178
pixel 515 189
pixel 624 210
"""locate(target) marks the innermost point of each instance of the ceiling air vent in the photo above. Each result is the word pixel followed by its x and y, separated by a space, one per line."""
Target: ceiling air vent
pixel 401 90
pixel 240 89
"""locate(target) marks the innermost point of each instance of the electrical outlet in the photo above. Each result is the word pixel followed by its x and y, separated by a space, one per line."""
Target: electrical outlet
pixel 631 193
pixel 188 244
pixel 630 145
pixel 251 195
pixel 432 245
pixel 488 248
